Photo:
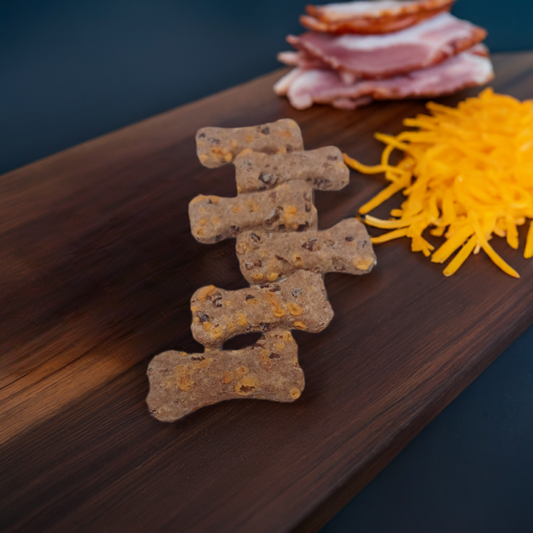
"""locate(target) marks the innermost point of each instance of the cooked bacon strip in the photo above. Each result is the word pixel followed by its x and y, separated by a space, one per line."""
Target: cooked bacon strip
pixel 353 10
pixel 350 104
pixel 304 60
pixel 282 85
pixel 371 17
pixel 300 59
pixel 325 86
pixel 479 50
pixel 384 56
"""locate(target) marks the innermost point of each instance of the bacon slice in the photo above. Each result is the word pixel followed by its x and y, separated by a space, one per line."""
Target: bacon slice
pixel 384 56
pixel 371 17
pixel 300 59
pixel 322 86
pixel 305 61
pixel 282 85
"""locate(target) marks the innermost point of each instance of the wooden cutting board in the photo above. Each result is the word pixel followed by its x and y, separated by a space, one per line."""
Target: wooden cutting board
pixel 98 266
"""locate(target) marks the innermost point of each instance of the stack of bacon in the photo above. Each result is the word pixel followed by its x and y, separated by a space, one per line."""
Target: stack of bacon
pixel 358 52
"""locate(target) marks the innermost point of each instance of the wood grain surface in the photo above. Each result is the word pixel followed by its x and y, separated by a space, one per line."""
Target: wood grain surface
pixel 98 266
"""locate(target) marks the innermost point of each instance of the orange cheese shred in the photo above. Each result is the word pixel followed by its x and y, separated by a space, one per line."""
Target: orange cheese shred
pixel 528 252
pixel 467 175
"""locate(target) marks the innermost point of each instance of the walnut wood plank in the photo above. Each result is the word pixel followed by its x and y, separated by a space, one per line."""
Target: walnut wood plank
pixel 97 270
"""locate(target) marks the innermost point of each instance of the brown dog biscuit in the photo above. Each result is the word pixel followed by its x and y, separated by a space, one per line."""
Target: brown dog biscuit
pixel 281 254
pixel 219 146
pixel 288 207
pixel 181 383
pixel 345 247
pixel 299 302
pixel 322 169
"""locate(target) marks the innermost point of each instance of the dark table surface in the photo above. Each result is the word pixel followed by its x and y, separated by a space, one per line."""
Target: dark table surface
pixel 70 71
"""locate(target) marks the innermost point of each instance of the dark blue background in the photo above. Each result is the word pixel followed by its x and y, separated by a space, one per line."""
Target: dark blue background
pixel 72 70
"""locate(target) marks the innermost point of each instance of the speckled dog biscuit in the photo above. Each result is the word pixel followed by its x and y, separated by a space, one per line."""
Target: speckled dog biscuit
pixel 281 254
pixel 345 247
pixel 322 169
pixel 288 207
pixel 218 146
pixel 299 302
pixel 181 383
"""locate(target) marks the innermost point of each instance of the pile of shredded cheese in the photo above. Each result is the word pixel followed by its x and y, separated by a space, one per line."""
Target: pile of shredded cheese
pixel 467 173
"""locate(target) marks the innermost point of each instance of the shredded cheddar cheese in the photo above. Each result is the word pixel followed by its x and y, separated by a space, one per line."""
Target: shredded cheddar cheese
pixel 467 173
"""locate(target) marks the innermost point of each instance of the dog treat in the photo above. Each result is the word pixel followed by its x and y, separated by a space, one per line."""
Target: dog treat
pixel 282 255
pixel 299 302
pixel 288 207
pixel 322 169
pixel 181 383
pixel 345 247
pixel 219 146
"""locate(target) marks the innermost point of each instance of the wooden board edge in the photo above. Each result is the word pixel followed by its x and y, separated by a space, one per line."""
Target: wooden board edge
pixel 338 499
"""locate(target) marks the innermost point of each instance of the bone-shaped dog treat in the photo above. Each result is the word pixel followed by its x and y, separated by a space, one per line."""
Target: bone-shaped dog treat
pixel 322 169
pixel 181 383
pixel 345 247
pixel 218 146
pixel 281 254
pixel 299 302
pixel 288 207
